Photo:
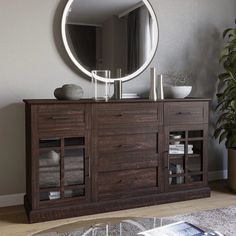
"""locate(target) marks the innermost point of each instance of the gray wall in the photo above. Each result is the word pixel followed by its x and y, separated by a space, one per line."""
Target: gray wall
pixel 31 65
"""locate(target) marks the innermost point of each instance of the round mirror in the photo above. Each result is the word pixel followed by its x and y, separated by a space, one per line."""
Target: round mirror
pixel 119 36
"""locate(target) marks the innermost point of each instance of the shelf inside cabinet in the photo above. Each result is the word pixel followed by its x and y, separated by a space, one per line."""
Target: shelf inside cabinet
pixel 179 156
pixel 74 147
pixel 75 186
pixel 48 189
pixel 195 172
pixel 176 141
pixel 176 156
pixel 177 175
pixel 195 155
pixel 195 139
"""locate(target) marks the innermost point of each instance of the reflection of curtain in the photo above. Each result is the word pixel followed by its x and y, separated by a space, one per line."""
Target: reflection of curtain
pixel 133 40
pixel 140 37
pixel 145 35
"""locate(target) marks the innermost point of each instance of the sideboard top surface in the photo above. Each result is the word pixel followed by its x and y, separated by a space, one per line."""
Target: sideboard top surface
pixel 55 101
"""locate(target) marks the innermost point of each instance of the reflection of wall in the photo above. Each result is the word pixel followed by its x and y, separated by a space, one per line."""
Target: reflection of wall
pixel 31 67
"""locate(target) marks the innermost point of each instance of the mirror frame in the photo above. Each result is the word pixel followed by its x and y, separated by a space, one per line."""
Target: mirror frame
pixel 111 80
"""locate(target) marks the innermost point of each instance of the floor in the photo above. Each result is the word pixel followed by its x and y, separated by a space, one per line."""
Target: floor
pixel 13 221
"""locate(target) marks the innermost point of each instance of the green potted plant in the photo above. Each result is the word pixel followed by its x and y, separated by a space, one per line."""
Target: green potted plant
pixel 226 98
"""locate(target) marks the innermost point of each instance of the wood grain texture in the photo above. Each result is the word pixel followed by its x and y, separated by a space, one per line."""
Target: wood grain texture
pixel 185 113
pixel 125 152
pixel 57 119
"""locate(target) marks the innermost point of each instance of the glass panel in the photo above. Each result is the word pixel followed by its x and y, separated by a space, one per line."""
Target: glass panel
pixel 49 195
pixel 74 164
pixel 176 166
pixel 175 137
pixel 49 142
pixel 74 193
pixel 195 134
pixel 74 141
pixel 195 163
pixel 195 178
pixel 176 180
pixel 49 169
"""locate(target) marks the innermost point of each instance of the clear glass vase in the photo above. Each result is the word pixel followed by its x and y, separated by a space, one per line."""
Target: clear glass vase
pixel 101 89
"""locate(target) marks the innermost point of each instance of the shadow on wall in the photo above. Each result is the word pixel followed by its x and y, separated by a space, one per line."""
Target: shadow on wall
pixel 58 39
pixel 206 66
pixel 12 140
pixel 206 61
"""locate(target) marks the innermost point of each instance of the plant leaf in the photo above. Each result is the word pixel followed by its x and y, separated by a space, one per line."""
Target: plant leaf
pixel 223 136
pixel 227 31
pixel 230 45
pixel 217 132
pixel 223 76
pixel 233 105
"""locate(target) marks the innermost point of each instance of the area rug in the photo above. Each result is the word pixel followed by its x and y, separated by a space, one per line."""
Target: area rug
pixel 222 220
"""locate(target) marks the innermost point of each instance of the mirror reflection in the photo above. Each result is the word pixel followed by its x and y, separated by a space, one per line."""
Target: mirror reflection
pixel 120 36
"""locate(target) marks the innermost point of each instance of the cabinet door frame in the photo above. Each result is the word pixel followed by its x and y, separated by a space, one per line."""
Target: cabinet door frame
pixel 33 157
pixel 186 128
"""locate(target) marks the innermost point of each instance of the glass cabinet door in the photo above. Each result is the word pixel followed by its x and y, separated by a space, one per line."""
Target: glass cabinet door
pixel 62 168
pixel 195 161
pixel 74 167
pixel 176 158
pixel 184 158
pixel 49 169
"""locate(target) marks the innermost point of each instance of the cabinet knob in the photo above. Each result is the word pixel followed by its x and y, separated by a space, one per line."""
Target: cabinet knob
pixel 59 118
pixel 130 146
pixel 183 113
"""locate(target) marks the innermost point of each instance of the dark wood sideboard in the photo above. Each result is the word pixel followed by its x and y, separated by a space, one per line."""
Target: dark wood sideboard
pixel 85 157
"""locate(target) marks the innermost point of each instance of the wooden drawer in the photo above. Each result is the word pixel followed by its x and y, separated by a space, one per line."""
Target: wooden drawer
pixel 126 183
pixel 185 113
pixel 60 119
pixel 128 161
pixel 127 143
pixel 127 115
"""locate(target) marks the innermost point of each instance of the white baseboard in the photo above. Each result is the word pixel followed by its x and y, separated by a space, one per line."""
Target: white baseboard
pixel 18 199
pixel 12 200
pixel 217 175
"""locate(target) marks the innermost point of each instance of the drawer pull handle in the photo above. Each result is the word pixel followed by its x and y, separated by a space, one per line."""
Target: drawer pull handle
pixel 129 146
pixel 89 167
pixel 125 146
pixel 118 115
pixel 183 113
pixel 59 118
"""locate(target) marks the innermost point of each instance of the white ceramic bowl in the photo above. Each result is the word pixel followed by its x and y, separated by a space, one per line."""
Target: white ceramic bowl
pixel 176 91
pixel 174 139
